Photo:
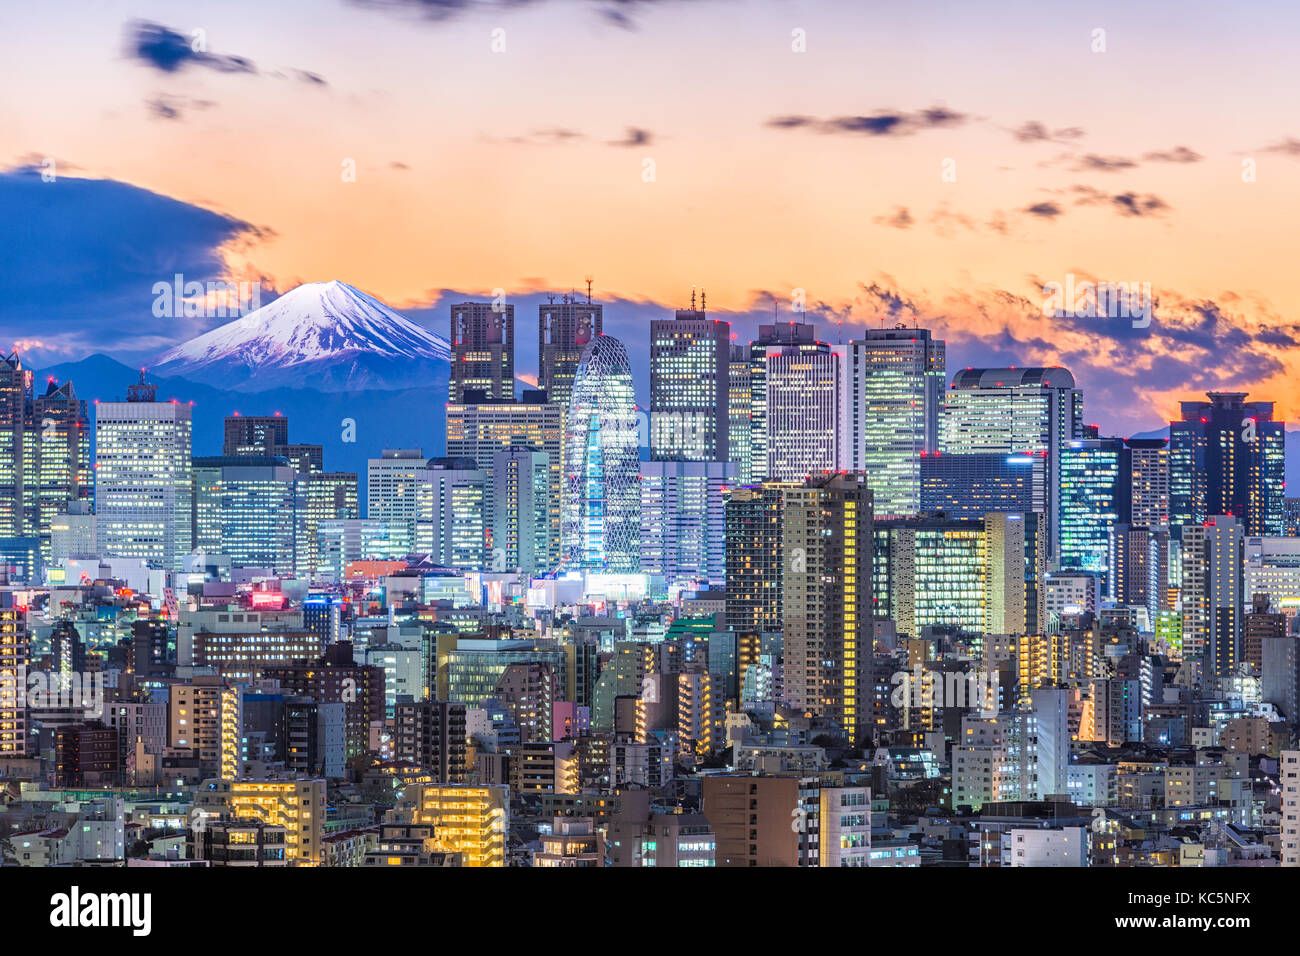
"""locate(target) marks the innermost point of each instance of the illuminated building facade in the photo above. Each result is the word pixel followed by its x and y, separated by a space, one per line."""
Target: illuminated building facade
pixel 564 330
pixel 683 526
pixel 480 431
pixel 296 805
pixel 601 503
pixel 143 486
pixel 1014 411
pixel 249 509
pixel 754 560
pixel 482 350
pixel 797 334
pixel 451 518
pixel 1226 457
pixel 690 363
pixel 470 820
pixel 827 599
pixel 895 381
pixel 805 411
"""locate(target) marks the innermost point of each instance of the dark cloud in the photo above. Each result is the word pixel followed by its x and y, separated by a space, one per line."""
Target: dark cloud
pixel 634 137
pixel 1179 154
pixel 1104 164
pixel 1288 147
pixel 166 50
pixel 307 76
pixel 880 123
pixel 1132 204
pixel 82 256
pixel 174 107
pixel 1032 131
pixel 900 218
pixel 883 302
pixel 1044 210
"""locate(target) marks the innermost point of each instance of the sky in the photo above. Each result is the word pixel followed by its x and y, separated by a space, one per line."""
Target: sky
pixel 928 163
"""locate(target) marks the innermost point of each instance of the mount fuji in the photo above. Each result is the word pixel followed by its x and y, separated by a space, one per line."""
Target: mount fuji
pixel 327 336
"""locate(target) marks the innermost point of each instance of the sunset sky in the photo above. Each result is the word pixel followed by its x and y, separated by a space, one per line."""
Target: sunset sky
pixel 773 170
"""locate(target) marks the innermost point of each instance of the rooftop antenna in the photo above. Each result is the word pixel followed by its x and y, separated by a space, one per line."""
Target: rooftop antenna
pixel 702 295
pixel 588 290
pixel 692 299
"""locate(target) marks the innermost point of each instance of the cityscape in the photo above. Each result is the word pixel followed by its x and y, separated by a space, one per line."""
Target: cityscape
pixel 818 605
pixel 637 434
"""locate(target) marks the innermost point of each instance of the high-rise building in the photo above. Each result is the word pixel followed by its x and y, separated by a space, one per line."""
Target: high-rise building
pixel 296 805
pixel 249 509
pixel 806 411
pixel 797 334
pixel 61 472
pixel 327 496
pixel 972 486
pixel 1013 570
pixel 827 540
pixel 1226 457
pixel 1288 767
pixel 754 559
pixel 521 511
pixel 683 527
pixel 1014 412
pixel 564 330
pixel 143 486
pixel 690 375
pixel 471 820
pixel 1145 472
pixel 393 492
pixel 14 658
pixel 482 350
pixel 256 435
pixel 895 381
pixel 17 441
pixel 1138 565
pixel 601 498
pixel 451 517
pixel 740 400
pixel 1091 503
pixel 431 735
pixel 1211 594
pixel 481 430
pixel 932 571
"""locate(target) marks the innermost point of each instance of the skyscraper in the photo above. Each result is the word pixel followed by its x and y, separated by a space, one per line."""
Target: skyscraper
pixel 481 430
pixel 248 508
pixel 805 411
pixel 972 486
pixel 690 374
pixel 564 330
pixel 326 496
pixel 451 514
pixel 778 334
pixel 62 473
pixel 1091 490
pixel 1016 411
pixel 482 350
pixel 754 557
pixel 683 527
pixel 1211 594
pixel 827 540
pixel 740 400
pixel 601 503
pixel 143 489
pixel 44 454
pixel 254 434
pixel 1226 457
pixel 392 491
pixel 1145 471
pixel 895 380
pixel 521 511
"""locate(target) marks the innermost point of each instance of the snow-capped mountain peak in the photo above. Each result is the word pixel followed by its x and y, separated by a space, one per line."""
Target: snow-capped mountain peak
pixel 327 334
